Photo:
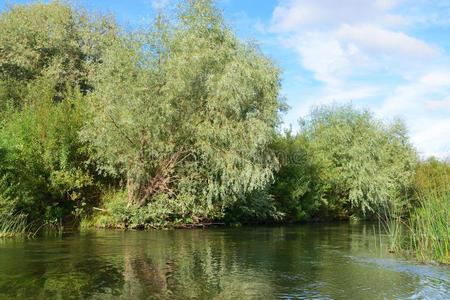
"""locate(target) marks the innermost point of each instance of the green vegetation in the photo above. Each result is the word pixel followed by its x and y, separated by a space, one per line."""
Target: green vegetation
pixel 183 113
pixel 431 220
pixel 47 54
pixel 343 163
pixel 15 226
pixel 425 232
pixel 42 172
pixel 178 124
pixel 161 126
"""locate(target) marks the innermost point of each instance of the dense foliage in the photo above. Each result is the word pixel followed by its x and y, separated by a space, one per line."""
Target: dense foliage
pixel 42 171
pixel 184 111
pixel 425 233
pixel 48 53
pixel 55 41
pixel 169 123
pixel 299 184
pixel 176 123
pixel 344 162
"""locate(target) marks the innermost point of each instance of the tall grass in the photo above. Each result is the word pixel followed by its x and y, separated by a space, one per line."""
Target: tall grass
pixel 15 226
pixel 426 232
pixel 392 221
pixel 429 222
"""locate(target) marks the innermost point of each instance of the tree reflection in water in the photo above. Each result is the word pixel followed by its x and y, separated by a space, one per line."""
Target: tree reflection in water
pixel 307 261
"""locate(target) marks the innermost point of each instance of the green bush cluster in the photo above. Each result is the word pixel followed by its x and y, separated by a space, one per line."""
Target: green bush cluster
pixel 47 53
pixel 43 172
pixel 344 162
pixel 175 123
pixel 176 118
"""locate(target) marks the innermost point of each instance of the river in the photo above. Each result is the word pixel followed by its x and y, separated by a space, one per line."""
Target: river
pixel 318 261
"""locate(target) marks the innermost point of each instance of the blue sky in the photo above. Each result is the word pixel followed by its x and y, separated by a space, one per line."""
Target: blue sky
pixel 391 56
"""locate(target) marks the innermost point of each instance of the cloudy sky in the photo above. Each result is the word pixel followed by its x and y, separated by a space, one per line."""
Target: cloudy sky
pixel 392 56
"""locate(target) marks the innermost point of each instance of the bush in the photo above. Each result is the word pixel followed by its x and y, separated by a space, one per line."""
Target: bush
pixel 256 207
pixel 347 163
pixel 297 188
pixel 43 172
pixel 48 53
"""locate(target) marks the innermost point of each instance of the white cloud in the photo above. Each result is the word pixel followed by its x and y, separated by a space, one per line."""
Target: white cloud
pixel 425 106
pixel 259 26
pixel 351 47
pixel 432 136
pixel 344 48
pixel 325 56
pixel 380 41
pixel 333 56
pixel 436 79
pixel 304 13
pixel 420 96
pixel 439 104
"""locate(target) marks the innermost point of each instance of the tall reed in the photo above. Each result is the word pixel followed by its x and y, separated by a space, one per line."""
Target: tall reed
pixel 426 232
pixel 15 226
pixel 429 222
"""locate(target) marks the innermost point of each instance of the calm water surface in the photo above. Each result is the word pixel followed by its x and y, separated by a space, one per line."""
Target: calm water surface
pixel 289 262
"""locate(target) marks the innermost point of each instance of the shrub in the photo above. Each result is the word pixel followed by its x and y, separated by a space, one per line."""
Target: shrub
pixel 348 163
pixel 43 172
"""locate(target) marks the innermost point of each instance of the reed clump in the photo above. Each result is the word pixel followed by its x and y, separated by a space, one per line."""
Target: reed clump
pixel 15 226
pixel 424 233
pixel 429 221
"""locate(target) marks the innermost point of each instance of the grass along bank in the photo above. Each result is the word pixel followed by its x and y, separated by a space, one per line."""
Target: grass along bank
pixel 424 234
pixel 15 226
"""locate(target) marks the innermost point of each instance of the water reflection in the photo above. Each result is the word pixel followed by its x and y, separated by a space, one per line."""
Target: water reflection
pixel 326 261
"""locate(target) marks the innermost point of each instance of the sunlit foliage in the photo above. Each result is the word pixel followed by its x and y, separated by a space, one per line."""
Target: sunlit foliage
pixel 344 162
pixel 175 123
pixel 183 112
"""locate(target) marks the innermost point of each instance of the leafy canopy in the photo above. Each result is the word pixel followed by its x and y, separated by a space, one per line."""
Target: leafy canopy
pixel 185 109
pixel 369 163
pixel 55 41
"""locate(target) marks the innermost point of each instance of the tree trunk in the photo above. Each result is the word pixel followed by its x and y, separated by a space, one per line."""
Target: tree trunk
pixel 130 192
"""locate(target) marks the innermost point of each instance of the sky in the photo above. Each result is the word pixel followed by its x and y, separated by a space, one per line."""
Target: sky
pixel 390 56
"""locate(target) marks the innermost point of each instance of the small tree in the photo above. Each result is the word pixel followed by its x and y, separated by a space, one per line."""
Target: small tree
pixel 369 163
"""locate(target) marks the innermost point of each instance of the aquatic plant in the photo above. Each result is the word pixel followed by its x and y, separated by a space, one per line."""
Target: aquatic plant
pixel 429 222
pixel 15 226
pixel 424 234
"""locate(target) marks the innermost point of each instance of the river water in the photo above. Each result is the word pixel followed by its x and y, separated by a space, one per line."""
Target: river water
pixel 339 261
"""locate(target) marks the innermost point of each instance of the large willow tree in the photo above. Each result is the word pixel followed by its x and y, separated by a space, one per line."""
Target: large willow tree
pixel 183 112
